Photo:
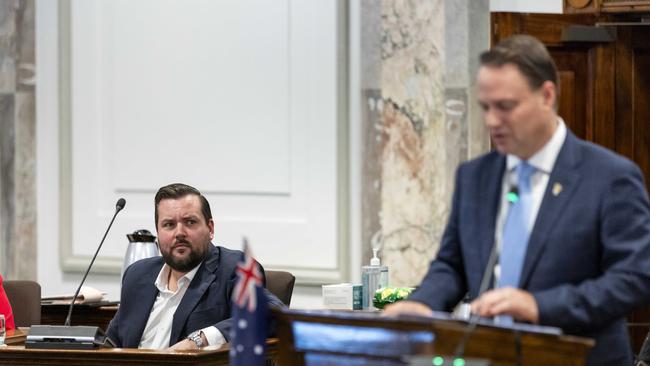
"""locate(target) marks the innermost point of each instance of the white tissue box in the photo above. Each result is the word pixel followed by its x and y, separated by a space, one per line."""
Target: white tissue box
pixel 342 296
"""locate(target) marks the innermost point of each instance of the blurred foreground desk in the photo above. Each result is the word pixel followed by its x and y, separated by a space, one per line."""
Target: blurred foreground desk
pixel 314 338
pixel 18 355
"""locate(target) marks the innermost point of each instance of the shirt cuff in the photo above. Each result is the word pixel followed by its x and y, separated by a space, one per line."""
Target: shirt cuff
pixel 214 336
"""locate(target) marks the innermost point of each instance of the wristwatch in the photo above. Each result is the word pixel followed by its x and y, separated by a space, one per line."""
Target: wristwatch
pixel 196 338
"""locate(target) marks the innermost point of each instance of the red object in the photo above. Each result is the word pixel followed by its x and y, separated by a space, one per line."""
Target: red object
pixel 5 308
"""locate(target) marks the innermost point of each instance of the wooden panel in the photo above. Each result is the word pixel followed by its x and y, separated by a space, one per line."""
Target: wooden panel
pixel 567 104
pixel 546 27
pixel 601 87
pixel 573 81
pixel 641 127
pixel 606 6
pixel 624 93
pixel 632 127
pixel 625 6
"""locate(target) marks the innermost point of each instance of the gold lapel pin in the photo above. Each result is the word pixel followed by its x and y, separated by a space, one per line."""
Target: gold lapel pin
pixel 557 189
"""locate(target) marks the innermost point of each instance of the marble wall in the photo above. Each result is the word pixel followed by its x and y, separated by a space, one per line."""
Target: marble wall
pixel 17 140
pixel 419 123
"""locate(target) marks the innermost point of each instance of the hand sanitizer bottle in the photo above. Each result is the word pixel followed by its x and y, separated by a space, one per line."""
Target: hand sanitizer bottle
pixel 373 277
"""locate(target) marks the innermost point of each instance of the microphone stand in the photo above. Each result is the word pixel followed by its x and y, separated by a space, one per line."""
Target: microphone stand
pixel 73 337
pixel 473 320
pixel 118 208
pixel 512 197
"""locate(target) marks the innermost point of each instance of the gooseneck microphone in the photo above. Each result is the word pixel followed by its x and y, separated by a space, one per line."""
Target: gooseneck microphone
pixel 66 336
pixel 118 207
pixel 512 197
pixel 474 318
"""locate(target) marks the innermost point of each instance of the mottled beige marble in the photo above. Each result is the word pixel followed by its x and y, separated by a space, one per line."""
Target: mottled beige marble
pixel 420 121
pixel 23 246
pixel 26 47
pixel 8 39
pixel 18 140
pixel 415 179
pixel 408 208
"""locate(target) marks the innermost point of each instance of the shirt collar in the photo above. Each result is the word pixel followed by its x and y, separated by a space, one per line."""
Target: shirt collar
pixel 544 159
pixel 163 277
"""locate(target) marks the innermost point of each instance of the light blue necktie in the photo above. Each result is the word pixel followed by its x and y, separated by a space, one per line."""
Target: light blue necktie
pixel 515 234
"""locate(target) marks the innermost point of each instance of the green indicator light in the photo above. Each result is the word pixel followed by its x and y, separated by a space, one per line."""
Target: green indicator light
pixel 513 197
pixel 438 361
pixel 459 362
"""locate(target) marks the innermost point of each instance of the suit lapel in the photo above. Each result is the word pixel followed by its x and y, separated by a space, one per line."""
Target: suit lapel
pixel 561 186
pixel 147 297
pixel 199 285
pixel 492 180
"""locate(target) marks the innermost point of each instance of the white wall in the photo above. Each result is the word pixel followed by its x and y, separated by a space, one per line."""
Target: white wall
pixel 51 276
pixel 94 103
pixel 527 6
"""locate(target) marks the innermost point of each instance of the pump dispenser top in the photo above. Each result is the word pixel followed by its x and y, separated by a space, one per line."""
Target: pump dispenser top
pixel 374 261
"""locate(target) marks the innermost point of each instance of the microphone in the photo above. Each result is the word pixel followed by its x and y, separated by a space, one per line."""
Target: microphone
pixel 512 196
pixel 66 336
pixel 474 318
pixel 118 207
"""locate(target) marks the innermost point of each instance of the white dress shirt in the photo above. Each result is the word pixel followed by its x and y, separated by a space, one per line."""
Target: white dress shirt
pixel 543 162
pixel 159 325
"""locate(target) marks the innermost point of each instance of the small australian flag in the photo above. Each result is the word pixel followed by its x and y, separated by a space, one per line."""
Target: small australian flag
pixel 250 310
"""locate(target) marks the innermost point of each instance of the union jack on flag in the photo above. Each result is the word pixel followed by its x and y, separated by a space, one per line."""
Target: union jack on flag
pixel 250 309
pixel 249 280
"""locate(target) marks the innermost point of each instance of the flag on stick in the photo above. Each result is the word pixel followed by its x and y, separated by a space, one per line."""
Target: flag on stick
pixel 250 310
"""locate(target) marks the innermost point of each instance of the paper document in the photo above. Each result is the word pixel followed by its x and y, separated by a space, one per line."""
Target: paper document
pixel 87 295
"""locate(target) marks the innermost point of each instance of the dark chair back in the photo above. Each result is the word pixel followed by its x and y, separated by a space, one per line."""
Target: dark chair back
pixel 25 300
pixel 280 284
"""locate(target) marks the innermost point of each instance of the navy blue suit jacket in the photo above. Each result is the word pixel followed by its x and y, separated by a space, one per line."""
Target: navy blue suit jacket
pixel 205 303
pixel 588 257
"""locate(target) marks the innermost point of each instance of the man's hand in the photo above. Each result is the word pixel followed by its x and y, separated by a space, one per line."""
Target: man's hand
pixel 407 307
pixel 184 345
pixel 519 304
pixel 188 344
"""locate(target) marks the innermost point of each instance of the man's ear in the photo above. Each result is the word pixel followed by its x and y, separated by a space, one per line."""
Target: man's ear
pixel 549 94
pixel 211 227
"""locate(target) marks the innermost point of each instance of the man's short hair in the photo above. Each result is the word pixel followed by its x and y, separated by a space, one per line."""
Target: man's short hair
pixel 179 190
pixel 529 55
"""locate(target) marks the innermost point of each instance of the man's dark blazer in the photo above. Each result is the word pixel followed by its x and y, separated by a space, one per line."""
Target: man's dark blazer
pixel 205 303
pixel 588 258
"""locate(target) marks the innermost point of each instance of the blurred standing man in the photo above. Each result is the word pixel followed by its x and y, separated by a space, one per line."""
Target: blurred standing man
pixel 571 219
pixel 182 299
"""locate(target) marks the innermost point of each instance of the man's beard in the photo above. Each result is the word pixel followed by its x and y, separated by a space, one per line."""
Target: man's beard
pixel 184 265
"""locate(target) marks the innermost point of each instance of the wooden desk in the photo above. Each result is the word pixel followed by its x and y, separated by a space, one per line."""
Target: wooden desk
pixel 96 315
pixel 19 356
